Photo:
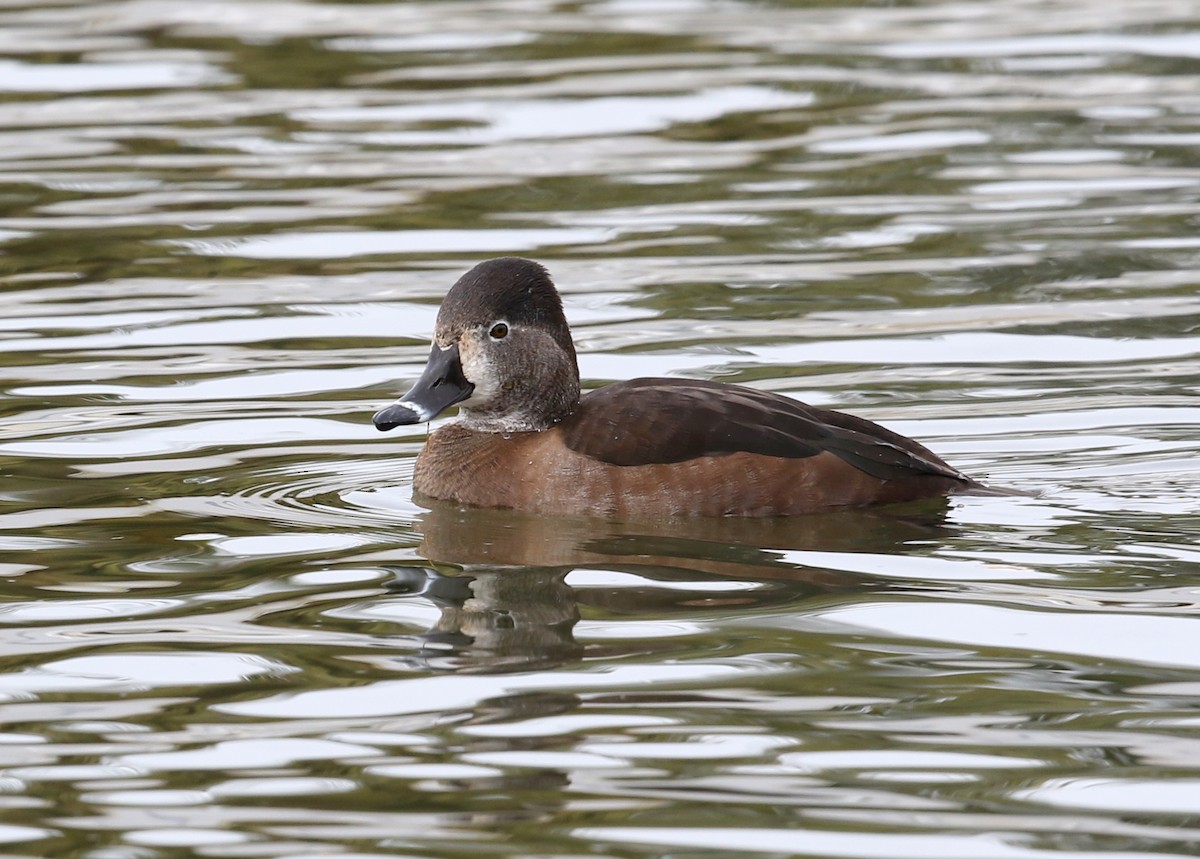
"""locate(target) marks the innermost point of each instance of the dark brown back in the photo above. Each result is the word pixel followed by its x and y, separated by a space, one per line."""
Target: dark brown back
pixel 647 421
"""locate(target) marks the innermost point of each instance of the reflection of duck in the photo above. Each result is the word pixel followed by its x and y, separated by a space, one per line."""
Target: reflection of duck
pixel 636 449
pixel 496 620
pixel 512 604
pixel 728 547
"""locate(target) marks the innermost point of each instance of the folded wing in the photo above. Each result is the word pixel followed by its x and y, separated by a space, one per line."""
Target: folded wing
pixel 646 421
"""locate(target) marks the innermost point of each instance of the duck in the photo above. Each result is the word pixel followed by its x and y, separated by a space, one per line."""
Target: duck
pixel 528 440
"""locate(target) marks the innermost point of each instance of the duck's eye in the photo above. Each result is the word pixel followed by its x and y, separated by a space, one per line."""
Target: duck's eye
pixel 499 331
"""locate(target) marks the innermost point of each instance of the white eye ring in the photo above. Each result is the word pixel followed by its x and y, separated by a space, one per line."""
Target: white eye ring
pixel 498 331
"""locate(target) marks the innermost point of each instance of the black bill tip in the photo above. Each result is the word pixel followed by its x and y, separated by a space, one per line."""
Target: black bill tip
pixel 399 415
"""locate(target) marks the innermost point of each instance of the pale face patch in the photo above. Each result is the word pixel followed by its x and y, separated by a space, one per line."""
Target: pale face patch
pixel 491 406
pixel 479 369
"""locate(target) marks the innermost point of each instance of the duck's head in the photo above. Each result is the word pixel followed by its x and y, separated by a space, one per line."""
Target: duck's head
pixel 501 350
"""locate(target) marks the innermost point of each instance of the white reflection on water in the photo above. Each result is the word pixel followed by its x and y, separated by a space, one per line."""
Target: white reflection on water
pixel 1127 795
pixel 697 745
pixel 503 120
pixel 878 759
pixel 852 845
pixel 182 439
pixel 281 786
pixel 557 726
pixel 171 836
pixel 12 834
pixel 350 243
pixel 911 140
pixel 430 42
pixel 157 798
pixel 1145 639
pixel 452 693
pixel 39 611
pixel 1151 44
pixel 917 568
pixel 17 76
pixel 133 671
pixel 261 752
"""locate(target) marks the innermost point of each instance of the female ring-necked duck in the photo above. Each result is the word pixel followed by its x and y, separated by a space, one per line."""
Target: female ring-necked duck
pixel 527 440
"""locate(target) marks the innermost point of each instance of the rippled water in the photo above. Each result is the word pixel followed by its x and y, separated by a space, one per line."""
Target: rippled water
pixel 229 631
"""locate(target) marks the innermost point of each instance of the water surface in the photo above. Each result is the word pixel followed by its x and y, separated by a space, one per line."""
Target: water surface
pixel 228 629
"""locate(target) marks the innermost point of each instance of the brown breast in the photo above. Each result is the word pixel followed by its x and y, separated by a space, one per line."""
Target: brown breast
pixel 538 472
